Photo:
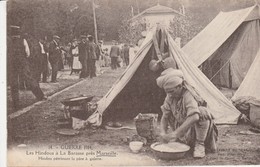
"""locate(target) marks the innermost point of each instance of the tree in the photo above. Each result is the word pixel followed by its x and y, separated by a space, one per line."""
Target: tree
pixel 185 28
pixel 130 32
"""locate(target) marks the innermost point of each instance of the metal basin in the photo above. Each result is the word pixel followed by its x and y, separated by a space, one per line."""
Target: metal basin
pixel 170 151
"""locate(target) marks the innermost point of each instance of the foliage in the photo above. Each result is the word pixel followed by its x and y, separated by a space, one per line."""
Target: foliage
pixel 130 32
pixel 185 28
pixel 48 17
pixel 70 18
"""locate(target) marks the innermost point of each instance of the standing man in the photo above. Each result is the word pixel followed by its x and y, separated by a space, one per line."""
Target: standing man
pixel 54 57
pixel 92 57
pixel 83 54
pixel 114 54
pixel 126 54
pixel 18 52
pixel 43 60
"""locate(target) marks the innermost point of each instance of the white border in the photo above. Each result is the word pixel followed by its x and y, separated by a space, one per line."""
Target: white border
pixel 3 121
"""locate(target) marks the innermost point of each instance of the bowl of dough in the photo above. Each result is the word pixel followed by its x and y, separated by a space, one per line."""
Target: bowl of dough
pixel 170 151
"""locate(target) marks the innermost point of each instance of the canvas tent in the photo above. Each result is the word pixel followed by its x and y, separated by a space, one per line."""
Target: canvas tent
pixel 227 46
pixel 251 83
pixel 249 91
pixel 136 90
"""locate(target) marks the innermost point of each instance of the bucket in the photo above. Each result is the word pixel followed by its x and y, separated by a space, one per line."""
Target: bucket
pixel 146 125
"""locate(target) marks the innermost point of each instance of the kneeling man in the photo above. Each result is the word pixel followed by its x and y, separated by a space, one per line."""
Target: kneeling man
pixel 186 114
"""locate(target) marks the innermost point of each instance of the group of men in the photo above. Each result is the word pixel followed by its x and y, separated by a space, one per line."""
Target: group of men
pixel 89 52
pixel 118 55
pixel 29 60
pixel 23 69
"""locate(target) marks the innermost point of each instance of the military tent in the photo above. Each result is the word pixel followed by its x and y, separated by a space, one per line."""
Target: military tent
pixel 227 46
pixel 249 91
pixel 251 84
pixel 136 90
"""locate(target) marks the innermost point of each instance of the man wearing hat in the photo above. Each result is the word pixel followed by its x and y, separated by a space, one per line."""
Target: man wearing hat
pixel 42 58
pixel 83 54
pixel 54 57
pixel 185 112
pixel 18 51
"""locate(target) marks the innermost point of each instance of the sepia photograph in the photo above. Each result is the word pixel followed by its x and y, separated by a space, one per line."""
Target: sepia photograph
pixel 132 83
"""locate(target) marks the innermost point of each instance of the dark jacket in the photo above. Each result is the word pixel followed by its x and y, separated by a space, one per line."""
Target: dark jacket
pixel 54 52
pixel 83 51
pixel 115 51
pixel 93 48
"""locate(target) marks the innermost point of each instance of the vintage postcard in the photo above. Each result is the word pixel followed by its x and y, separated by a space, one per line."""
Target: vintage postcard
pixel 132 83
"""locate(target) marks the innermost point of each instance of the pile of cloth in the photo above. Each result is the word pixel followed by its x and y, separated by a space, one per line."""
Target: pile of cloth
pixel 250 107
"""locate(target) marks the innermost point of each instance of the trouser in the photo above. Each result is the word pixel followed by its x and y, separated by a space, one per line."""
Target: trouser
pixel 44 67
pixel 23 84
pixel 201 129
pixel 23 69
pixel 84 69
pixel 114 62
pixel 107 61
pixel 91 67
pixel 203 132
pixel 35 66
pixel 60 64
pixel 55 69
pixel 126 61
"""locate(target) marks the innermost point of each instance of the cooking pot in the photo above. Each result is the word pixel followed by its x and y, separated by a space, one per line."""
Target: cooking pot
pixel 76 101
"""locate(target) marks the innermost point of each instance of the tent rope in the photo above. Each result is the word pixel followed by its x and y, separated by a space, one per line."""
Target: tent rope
pixel 219 70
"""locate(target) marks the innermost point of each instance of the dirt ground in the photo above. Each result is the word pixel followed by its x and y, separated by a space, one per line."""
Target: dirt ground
pixel 37 129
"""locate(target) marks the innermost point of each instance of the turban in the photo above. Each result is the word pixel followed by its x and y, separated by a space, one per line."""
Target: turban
pixel 169 79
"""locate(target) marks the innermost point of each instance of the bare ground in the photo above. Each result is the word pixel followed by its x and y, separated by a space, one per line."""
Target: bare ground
pixel 37 128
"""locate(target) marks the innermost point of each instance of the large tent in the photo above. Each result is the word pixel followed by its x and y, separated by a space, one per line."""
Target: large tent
pixel 249 91
pixel 136 90
pixel 250 87
pixel 227 47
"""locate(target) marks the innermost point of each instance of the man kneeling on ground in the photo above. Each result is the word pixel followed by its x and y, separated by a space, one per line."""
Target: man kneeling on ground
pixel 185 112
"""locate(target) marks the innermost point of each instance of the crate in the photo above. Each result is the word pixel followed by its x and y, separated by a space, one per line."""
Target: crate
pixel 146 125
